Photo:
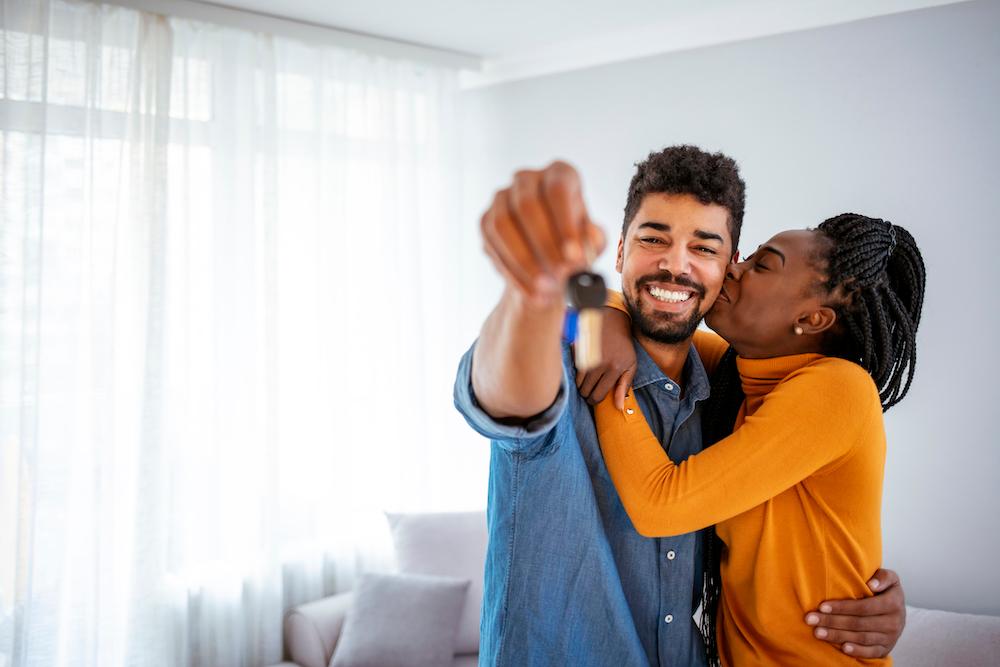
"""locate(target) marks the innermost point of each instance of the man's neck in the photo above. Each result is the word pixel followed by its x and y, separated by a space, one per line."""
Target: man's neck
pixel 669 357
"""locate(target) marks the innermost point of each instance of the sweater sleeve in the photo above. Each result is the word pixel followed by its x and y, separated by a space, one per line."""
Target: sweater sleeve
pixel 616 300
pixel 812 419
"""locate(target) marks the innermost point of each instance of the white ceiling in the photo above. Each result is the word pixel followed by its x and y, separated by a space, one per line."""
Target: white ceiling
pixel 487 28
pixel 519 38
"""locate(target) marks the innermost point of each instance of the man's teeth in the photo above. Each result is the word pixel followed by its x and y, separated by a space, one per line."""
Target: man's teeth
pixel 668 295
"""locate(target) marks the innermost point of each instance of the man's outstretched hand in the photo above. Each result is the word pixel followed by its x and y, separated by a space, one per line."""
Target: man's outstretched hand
pixel 537 231
pixel 866 628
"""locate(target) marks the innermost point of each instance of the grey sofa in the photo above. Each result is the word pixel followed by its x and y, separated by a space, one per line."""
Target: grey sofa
pixel 455 545
pixel 312 630
pixel 933 638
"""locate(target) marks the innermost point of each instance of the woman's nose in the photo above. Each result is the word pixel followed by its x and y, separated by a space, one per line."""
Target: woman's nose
pixel 735 270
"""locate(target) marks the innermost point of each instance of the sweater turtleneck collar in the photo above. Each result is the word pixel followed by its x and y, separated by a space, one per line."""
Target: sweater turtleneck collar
pixel 760 376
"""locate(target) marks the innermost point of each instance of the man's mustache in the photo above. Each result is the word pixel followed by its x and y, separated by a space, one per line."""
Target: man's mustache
pixel 667 277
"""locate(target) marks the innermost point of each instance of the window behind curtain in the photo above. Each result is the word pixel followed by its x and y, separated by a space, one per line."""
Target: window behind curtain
pixel 227 329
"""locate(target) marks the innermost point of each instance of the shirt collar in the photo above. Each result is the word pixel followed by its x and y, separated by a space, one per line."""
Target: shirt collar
pixel 693 377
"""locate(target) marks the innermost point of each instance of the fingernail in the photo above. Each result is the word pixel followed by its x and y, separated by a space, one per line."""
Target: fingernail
pixel 545 284
pixel 825 608
pixel 812 619
pixel 848 648
pixel 572 251
pixel 821 632
pixel 873 584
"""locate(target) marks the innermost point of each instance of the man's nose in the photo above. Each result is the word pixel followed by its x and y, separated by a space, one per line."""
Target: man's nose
pixel 675 259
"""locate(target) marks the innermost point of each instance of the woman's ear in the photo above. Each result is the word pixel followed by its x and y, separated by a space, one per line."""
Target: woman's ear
pixel 816 321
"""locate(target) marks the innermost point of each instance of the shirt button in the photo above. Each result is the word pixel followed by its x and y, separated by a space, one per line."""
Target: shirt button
pixel 668 387
pixel 629 411
pixel 669 618
pixel 671 555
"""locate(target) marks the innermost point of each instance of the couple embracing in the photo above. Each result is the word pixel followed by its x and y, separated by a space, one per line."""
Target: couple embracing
pixel 735 474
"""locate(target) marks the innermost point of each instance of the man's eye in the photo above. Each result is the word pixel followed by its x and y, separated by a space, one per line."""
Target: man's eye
pixel 650 239
pixel 706 249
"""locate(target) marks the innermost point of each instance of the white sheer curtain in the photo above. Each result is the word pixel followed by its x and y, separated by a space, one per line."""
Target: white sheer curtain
pixel 227 329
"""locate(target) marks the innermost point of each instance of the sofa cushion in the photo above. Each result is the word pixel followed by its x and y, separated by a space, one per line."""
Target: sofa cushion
pixel 401 620
pixel 450 545
pixel 933 637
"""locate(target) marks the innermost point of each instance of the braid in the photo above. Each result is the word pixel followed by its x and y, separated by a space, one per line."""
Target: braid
pixel 720 414
pixel 880 268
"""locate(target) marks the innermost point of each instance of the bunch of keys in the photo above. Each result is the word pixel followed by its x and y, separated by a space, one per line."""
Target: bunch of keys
pixel 587 295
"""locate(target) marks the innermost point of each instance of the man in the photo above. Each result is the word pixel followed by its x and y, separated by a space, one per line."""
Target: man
pixel 568 579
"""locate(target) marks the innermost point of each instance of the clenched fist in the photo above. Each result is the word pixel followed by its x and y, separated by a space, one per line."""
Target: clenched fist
pixel 538 233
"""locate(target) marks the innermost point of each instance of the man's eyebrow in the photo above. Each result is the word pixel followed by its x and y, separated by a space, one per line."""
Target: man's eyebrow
pixel 664 227
pixel 767 248
pixel 708 236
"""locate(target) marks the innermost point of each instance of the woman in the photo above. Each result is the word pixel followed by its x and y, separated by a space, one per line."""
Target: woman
pixel 824 322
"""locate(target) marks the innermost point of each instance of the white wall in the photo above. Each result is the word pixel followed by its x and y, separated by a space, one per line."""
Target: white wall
pixel 893 117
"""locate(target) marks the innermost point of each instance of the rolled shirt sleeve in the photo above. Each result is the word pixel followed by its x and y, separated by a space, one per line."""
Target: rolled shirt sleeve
pixel 521 437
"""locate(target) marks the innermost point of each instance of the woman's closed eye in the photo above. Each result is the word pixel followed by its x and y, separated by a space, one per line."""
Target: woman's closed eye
pixel 757 263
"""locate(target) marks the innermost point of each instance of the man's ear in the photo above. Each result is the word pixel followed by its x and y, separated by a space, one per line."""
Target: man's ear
pixel 817 321
pixel 620 258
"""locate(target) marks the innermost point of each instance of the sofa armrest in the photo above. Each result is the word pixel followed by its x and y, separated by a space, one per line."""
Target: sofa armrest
pixel 312 629
pixel 935 637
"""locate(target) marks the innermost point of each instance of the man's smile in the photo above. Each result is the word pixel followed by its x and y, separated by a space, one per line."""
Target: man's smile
pixel 664 297
pixel 670 296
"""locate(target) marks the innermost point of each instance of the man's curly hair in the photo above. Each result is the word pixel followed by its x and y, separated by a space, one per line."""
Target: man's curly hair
pixel 713 178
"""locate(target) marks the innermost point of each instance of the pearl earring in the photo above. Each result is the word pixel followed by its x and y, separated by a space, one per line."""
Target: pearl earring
pixel 798 330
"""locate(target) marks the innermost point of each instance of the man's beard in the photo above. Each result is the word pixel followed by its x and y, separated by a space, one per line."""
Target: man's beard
pixel 663 327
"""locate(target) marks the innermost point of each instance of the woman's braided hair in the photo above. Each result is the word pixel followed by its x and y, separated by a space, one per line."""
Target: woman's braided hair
pixel 880 271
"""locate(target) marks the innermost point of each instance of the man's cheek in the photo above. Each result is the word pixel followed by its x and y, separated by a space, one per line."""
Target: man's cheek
pixel 710 296
pixel 718 276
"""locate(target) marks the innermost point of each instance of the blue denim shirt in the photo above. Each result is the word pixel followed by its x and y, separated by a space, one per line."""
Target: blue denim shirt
pixel 568 579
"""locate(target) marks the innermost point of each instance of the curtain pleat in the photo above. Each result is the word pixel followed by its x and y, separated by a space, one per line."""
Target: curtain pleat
pixel 228 330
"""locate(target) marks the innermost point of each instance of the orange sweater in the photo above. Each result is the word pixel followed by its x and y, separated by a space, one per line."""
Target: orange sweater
pixel 795 493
